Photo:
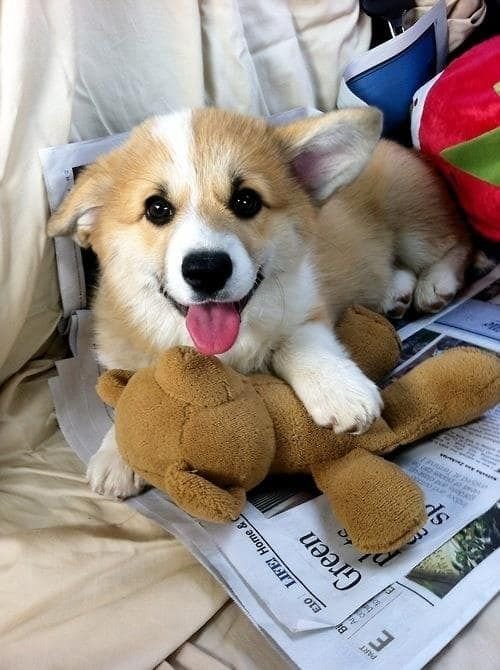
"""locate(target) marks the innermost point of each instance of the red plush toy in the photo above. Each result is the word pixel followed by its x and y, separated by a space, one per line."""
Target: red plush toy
pixel 456 122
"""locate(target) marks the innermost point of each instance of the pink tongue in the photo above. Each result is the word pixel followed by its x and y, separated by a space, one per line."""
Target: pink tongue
pixel 213 326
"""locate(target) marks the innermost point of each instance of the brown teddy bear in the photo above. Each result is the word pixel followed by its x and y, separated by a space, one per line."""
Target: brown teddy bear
pixel 205 434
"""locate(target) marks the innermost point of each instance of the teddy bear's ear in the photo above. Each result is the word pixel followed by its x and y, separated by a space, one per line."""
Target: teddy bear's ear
pixel 203 381
pixel 200 497
pixel 110 385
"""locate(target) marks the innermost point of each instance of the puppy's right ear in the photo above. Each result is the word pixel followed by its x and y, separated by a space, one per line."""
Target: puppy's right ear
pixel 79 211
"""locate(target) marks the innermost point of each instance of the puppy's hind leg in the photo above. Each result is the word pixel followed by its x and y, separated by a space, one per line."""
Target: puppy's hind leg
pixel 438 284
pixel 438 251
pixel 432 239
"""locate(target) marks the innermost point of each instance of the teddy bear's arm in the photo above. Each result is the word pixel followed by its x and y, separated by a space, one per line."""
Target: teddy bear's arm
pixel 444 391
pixel 371 340
pixel 199 497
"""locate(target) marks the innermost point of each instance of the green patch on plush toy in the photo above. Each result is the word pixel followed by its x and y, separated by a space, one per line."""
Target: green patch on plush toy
pixel 455 124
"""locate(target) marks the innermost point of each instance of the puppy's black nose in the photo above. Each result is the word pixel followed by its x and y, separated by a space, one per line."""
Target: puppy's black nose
pixel 207 271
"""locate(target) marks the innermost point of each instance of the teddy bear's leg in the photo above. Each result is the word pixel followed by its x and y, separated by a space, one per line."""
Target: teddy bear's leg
pixel 200 497
pixel 379 505
pixel 444 391
pixel 371 340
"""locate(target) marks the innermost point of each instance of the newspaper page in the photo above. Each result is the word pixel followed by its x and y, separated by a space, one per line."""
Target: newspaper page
pixel 388 75
pixel 290 564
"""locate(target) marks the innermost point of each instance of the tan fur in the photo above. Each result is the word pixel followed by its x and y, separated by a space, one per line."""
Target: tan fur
pixel 396 196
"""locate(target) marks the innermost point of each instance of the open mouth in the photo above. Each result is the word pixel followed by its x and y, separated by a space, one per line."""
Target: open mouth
pixel 214 326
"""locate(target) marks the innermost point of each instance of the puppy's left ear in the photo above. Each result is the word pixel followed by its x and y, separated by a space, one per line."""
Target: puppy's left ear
pixel 329 151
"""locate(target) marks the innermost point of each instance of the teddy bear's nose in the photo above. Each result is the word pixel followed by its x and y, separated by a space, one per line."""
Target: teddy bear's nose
pixel 207 271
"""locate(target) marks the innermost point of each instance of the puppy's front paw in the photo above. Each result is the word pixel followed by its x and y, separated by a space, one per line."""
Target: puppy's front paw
pixel 109 475
pixel 341 397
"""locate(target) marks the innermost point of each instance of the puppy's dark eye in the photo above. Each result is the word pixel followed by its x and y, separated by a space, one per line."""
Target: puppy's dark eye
pixel 245 203
pixel 158 210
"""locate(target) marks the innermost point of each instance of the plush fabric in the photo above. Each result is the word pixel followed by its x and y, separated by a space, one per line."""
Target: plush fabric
pixel 175 420
pixel 459 132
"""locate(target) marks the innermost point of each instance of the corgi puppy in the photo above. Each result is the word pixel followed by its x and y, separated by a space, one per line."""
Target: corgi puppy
pixel 247 241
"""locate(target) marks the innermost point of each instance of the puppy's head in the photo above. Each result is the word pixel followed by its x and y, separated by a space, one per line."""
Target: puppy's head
pixel 200 207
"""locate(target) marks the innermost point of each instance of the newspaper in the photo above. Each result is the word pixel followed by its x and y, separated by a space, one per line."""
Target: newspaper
pixel 388 75
pixel 287 561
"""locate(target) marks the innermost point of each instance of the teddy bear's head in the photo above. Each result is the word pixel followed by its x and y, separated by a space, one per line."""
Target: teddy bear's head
pixel 192 427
